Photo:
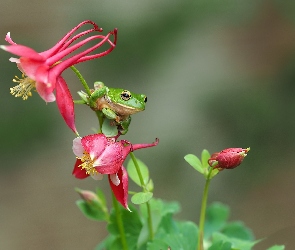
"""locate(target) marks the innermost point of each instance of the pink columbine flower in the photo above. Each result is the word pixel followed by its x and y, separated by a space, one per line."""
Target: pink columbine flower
pixel 42 71
pixel 228 158
pixel 97 155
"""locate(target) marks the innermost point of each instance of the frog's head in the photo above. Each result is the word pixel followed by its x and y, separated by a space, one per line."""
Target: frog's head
pixel 127 100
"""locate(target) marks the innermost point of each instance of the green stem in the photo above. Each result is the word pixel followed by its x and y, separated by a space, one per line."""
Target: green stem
pixel 82 80
pixel 150 224
pixel 137 170
pixel 203 212
pixel 120 223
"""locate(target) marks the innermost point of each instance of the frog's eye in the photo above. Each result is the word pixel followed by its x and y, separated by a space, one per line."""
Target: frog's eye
pixel 125 95
pixel 145 99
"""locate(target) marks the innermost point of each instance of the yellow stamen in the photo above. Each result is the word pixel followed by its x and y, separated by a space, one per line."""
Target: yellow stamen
pixel 23 89
pixel 87 164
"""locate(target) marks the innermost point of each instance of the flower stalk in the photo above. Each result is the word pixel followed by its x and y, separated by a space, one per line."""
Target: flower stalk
pixel 81 79
pixel 120 223
pixel 203 212
pixel 150 224
pixel 137 170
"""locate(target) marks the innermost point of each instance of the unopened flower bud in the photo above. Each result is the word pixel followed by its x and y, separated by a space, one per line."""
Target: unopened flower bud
pixel 87 195
pixel 228 158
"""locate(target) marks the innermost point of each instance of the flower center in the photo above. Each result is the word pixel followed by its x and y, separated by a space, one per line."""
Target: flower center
pixel 24 87
pixel 87 164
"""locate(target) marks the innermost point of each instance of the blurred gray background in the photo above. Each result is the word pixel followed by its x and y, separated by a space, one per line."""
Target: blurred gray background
pixel 217 74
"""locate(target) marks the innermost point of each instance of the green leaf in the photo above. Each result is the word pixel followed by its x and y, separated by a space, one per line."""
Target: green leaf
pixel 156 215
pixel 168 225
pixel 141 197
pixel 195 162
pixel 205 157
pixel 101 197
pixel 159 209
pixel 107 129
pixel 157 244
pixel 220 245
pixel 131 221
pixel 238 230
pixel 276 248
pixel 114 243
pixel 92 210
pixel 131 169
pixel 236 243
pixel 216 216
pixel 150 186
pixel 185 237
pixel 189 230
pixel 143 236
pixel 132 226
pixel 107 242
pixel 160 206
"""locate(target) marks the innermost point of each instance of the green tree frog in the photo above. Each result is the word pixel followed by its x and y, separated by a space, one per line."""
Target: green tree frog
pixel 117 104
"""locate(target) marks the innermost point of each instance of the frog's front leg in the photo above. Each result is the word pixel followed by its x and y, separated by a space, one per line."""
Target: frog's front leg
pixel 99 91
pixel 110 114
pixel 123 125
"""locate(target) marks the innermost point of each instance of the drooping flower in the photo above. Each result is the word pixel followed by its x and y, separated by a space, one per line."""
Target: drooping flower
pixel 97 155
pixel 42 71
pixel 228 158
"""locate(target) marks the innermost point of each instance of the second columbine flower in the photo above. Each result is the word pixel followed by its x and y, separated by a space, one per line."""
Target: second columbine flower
pixel 98 155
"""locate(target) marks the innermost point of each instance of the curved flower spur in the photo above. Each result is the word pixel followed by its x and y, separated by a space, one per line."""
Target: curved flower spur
pixel 42 71
pixel 97 155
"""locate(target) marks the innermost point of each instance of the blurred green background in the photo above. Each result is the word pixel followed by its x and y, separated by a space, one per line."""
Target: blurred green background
pixel 217 74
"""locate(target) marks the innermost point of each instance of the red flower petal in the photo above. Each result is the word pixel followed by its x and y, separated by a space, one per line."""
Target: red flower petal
pixel 65 103
pixel 121 191
pixel 23 51
pixel 43 92
pixel 94 144
pixel 29 67
pixel 66 40
pixel 78 172
pixel 9 40
pixel 111 159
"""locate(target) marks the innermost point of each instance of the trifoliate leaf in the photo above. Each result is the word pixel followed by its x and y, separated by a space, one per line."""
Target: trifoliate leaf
pixel 238 230
pixel 141 197
pixel 236 243
pixel 195 162
pixel 216 216
pixel 131 221
pixel 184 238
pixel 220 245
pixel 161 206
pixel 132 172
pixel 205 157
